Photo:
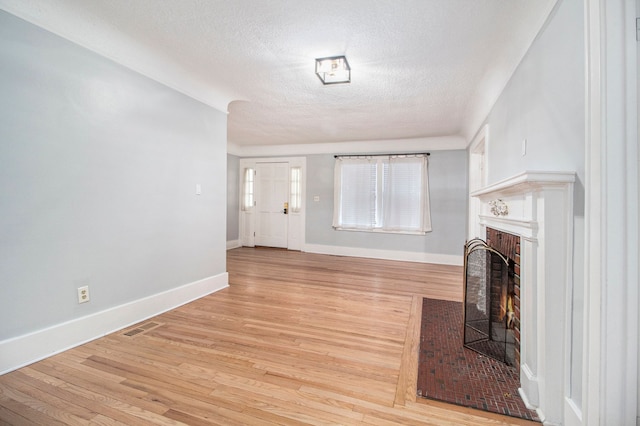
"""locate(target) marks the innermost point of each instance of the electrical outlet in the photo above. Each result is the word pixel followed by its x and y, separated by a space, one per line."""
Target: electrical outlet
pixel 524 147
pixel 83 294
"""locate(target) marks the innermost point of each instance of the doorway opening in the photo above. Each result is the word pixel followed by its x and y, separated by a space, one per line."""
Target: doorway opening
pixel 477 179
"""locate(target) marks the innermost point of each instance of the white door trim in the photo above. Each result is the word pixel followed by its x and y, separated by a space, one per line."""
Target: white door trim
pixel 610 350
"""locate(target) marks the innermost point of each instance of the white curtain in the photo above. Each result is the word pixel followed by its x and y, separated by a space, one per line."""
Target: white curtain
pixel 355 188
pixel 389 194
pixel 406 195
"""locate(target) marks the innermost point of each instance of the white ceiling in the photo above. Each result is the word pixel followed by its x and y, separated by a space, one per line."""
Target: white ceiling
pixel 420 68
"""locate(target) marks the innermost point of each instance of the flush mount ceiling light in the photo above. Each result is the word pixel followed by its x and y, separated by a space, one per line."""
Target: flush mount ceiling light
pixel 333 70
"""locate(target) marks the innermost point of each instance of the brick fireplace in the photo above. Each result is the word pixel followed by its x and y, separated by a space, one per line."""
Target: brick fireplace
pixel 529 218
pixel 506 298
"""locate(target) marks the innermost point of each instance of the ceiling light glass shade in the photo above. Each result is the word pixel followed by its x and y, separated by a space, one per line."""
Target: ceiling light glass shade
pixel 333 70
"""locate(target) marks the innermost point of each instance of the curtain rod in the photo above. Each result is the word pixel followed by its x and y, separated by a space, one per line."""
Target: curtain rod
pixel 382 155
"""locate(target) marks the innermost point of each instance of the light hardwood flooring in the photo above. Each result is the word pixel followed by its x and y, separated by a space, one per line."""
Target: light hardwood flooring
pixel 297 338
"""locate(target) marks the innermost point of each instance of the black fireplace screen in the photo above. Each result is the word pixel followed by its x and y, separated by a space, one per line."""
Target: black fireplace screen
pixel 488 302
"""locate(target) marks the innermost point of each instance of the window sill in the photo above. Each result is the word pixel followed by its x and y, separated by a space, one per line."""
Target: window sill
pixel 381 231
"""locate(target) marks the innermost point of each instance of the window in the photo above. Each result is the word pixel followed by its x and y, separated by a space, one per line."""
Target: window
pixel 296 190
pixel 382 194
pixel 247 189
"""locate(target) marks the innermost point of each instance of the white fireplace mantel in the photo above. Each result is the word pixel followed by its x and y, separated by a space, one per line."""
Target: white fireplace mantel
pixel 519 193
pixel 538 207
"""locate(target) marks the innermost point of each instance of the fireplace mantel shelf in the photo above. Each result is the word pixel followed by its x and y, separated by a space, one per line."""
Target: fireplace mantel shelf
pixel 525 182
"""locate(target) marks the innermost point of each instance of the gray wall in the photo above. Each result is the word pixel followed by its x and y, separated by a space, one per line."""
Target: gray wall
pixel 448 196
pixel 98 167
pixel 544 102
pixel 233 197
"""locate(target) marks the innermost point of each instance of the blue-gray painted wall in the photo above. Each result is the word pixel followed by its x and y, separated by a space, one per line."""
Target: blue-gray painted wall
pixel 98 167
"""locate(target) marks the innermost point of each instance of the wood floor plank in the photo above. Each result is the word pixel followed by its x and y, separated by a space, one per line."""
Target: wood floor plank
pixel 408 380
pixel 8 417
pixel 34 409
pixel 44 393
pixel 296 338
pixel 117 405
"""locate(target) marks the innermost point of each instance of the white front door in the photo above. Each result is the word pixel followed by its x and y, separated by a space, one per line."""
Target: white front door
pixel 272 197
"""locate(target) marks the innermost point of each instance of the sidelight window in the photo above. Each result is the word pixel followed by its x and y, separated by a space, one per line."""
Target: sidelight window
pixel 248 184
pixel 296 190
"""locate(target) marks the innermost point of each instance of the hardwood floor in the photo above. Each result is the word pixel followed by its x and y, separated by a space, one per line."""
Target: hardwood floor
pixel 297 338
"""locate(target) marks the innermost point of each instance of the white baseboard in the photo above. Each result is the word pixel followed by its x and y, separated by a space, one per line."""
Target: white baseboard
pixel 407 256
pixel 233 244
pixel 572 413
pixel 528 390
pixel 23 350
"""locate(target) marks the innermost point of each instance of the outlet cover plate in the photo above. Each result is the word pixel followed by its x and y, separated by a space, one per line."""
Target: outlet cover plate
pixel 83 294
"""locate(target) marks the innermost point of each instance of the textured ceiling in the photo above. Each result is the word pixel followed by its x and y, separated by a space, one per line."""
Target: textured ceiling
pixel 420 68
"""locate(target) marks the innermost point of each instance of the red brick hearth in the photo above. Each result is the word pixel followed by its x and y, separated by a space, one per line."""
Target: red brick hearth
pixel 447 371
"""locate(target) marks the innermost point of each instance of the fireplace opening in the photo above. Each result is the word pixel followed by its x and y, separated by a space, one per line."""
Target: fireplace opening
pixel 491 297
